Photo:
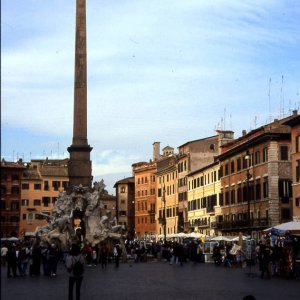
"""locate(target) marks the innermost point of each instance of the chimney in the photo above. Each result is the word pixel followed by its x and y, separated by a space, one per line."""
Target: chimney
pixel 156 151
pixel 295 112
pixel 244 132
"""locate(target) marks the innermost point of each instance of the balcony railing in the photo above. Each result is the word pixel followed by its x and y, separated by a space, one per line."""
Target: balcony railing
pixel 151 211
pixel 243 224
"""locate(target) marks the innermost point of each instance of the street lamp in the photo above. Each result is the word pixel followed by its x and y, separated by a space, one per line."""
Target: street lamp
pixel 247 158
pixel 249 243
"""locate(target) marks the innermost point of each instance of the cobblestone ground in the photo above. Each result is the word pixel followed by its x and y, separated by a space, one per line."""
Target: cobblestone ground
pixel 153 280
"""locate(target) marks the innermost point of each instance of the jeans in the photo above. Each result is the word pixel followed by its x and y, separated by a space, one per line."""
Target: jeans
pixel 72 281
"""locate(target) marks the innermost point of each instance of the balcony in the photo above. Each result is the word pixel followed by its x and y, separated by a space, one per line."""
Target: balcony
pixel 151 212
pixel 243 224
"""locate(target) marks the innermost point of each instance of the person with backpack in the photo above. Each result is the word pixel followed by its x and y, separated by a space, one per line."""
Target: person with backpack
pixel 75 266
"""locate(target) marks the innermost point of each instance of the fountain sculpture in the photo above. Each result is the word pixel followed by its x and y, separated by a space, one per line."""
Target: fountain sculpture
pixel 85 205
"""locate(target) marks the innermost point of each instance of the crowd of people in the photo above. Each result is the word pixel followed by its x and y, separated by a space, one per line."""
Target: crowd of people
pixel 33 258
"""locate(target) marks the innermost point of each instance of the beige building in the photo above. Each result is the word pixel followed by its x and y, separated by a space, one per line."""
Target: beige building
pixel 42 181
pixel 193 156
pixel 167 193
pixel 203 199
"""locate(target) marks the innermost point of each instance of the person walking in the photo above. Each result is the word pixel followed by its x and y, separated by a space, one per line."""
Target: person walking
pixel 4 250
pixel 75 266
pixel 117 254
pixel 11 261
pixel 53 258
pixel 103 255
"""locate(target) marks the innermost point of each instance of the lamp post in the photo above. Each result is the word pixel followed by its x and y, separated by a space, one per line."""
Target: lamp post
pixel 249 243
pixel 247 158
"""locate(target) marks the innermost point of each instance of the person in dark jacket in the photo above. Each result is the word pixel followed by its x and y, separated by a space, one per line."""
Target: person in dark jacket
pixel 11 259
pixel 75 259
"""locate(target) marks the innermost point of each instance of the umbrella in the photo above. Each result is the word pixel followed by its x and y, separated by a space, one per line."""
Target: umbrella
pixel 237 238
pixel 13 239
pixel 195 235
pixel 181 235
pixel 220 238
pixel 292 227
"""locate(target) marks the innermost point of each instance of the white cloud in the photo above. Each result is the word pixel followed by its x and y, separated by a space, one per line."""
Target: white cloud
pixel 157 70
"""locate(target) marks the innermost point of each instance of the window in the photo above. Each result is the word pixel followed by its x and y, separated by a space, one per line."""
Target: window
pixel 15 177
pixel 24 216
pixel 37 186
pixel 123 189
pixel 15 190
pixel 257 190
pixel 227 197
pixel 3 204
pixel 221 199
pixel 232 196
pixel 3 189
pixel 298 171
pixel 46 186
pixel 56 185
pixel 239 165
pixel 221 172
pixel 297 143
pixel 30 217
pixel 265 154
pixel 297 202
pixel 25 186
pixel 266 188
pixel 232 167
pixel 65 184
pixel 285 188
pixel 36 202
pixel 257 157
pixel 239 193
pixel 14 219
pixel 24 202
pixel 54 199
pixel 226 169
pixel 284 153
pixel 14 205
pixel 46 201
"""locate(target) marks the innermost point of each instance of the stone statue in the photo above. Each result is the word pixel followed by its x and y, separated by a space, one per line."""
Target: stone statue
pixel 87 206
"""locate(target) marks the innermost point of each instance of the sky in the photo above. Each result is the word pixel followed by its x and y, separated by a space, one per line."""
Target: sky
pixel 168 71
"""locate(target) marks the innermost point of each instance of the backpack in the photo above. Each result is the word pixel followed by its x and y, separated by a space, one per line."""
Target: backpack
pixel 78 268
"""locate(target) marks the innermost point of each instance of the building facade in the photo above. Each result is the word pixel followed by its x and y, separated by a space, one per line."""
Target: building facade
pixel 11 174
pixel 145 199
pixel 42 181
pixel 167 194
pixel 256 179
pixel 193 156
pixel 125 204
pixel 203 199
pixel 295 158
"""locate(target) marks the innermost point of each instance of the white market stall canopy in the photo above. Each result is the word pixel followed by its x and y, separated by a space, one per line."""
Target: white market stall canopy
pixel 292 227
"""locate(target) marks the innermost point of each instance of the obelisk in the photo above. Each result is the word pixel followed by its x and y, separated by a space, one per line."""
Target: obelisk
pixel 80 165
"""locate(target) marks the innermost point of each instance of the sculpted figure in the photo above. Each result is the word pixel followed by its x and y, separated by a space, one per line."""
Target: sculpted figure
pixel 84 205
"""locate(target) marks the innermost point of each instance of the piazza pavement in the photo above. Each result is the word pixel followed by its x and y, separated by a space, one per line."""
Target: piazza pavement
pixel 153 280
